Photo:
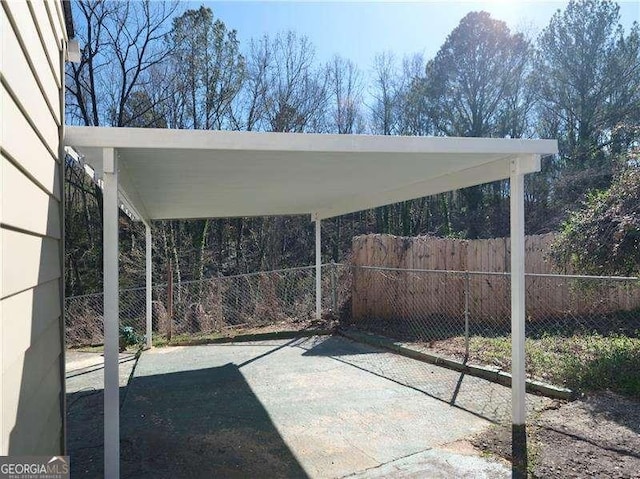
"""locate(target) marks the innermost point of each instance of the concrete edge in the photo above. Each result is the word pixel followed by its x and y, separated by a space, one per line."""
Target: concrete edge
pixel 483 372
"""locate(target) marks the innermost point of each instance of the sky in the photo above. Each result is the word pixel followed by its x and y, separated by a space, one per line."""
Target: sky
pixel 360 30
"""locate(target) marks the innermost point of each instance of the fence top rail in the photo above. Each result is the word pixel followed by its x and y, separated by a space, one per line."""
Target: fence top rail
pixel 497 273
pixel 214 278
pixel 379 268
pixel 80 296
pixel 255 273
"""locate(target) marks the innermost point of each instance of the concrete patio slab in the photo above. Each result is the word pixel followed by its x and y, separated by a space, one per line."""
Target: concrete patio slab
pixel 322 407
pixel 85 419
pixel 84 371
pixel 437 464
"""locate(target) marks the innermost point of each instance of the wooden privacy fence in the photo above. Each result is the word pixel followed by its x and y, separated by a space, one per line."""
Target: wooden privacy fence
pixel 472 276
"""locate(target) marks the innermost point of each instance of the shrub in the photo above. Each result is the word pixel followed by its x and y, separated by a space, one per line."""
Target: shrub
pixel 603 237
pixel 128 337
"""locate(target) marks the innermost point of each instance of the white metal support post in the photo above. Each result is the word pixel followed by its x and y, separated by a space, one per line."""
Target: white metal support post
pixel 111 316
pixel 318 269
pixel 148 271
pixel 518 381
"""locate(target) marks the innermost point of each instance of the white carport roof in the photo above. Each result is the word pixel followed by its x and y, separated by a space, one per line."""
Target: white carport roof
pixel 171 174
pixel 180 174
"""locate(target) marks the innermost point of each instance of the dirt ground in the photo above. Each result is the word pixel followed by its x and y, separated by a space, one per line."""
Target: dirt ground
pixel 598 436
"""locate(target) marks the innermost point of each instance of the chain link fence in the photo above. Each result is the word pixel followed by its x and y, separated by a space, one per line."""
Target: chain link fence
pixel 581 330
pixel 224 306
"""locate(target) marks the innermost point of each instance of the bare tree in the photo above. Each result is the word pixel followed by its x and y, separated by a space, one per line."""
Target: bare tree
pixel 82 94
pixel 386 86
pixel 250 111
pixel 122 42
pixel 412 103
pixel 345 92
pixel 295 98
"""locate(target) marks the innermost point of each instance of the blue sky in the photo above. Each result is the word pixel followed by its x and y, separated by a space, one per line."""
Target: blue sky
pixel 360 30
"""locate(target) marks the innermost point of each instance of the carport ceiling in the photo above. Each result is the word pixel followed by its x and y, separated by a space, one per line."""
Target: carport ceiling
pixel 172 174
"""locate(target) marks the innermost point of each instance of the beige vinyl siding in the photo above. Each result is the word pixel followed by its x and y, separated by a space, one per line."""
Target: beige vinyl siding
pixel 54 11
pixel 31 282
pixel 47 38
pixel 25 31
pixel 29 260
pixel 27 206
pixel 42 304
pixel 35 159
pixel 19 78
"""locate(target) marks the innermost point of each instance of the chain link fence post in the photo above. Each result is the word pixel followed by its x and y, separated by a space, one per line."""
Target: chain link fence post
pixel 169 300
pixel 467 292
pixel 334 284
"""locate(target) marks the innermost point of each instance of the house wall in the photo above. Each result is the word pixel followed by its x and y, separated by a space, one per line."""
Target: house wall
pixel 31 228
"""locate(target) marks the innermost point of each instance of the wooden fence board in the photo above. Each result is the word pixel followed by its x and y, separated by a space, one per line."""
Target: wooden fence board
pixel 396 295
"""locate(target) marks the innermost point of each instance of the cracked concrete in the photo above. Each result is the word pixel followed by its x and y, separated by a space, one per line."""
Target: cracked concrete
pixel 437 463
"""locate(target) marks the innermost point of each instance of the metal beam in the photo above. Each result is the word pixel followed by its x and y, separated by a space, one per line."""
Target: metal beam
pixel 518 384
pixel 149 305
pixel 253 141
pixel 110 207
pixel 176 174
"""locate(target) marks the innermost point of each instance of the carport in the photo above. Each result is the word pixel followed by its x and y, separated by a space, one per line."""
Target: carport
pixel 160 174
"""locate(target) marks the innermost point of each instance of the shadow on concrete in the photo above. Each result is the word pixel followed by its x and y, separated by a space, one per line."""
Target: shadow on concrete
pixel 474 395
pixel 193 424
pixel 331 346
pixel 267 353
pixel 98 366
pixel 85 432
